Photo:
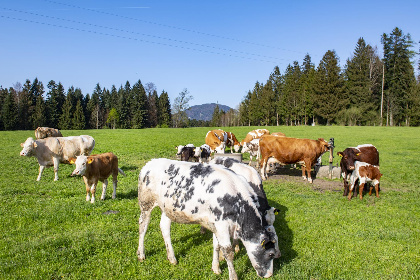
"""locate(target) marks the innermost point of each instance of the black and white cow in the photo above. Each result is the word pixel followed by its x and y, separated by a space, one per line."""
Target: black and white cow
pixel 255 182
pixel 203 153
pixel 212 196
pixel 179 148
pixel 187 154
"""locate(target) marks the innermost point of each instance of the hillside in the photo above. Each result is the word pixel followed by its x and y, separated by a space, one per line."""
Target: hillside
pixel 204 111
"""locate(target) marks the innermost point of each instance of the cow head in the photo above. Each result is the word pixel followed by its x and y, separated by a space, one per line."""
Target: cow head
pixel 236 148
pixel 28 147
pixel 325 146
pixel 179 149
pixel 81 164
pixel 262 251
pixel 197 152
pixel 348 157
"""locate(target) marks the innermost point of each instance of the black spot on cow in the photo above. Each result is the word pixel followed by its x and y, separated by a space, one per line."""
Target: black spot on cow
pixel 210 187
pixel 217 212
pixel 200 170
pixel 195 210
pixel 147 178
pixel 201 201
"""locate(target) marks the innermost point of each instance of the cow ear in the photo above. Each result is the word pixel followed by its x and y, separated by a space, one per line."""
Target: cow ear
pixel 90 160
pixel 21 144
pixel 35 145
pixel 340 154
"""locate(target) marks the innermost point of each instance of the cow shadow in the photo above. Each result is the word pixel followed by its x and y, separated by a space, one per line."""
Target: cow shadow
pixel 132 194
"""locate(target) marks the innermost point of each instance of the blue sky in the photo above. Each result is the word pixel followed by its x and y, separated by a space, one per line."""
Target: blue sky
pixel 215 49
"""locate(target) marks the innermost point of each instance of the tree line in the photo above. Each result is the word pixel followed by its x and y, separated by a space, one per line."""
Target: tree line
pixel 367 91
pixel 29 106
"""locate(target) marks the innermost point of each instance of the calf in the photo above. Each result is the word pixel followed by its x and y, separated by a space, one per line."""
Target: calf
pixel 203 153
pixel 364 153
pixel 188 153
pixel 52 151
pixel 97 168
pixel 286 150
pixel 213 197
pixel 253 148
pixel 179 148
pixel 44 132
pixel 365 173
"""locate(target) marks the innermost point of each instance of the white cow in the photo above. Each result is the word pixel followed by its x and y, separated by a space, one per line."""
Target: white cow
pixel 215 198
pixel 51 151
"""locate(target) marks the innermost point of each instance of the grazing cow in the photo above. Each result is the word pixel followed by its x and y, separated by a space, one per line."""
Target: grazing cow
pixel 253 148
pixel 286 150
pixel 188 153
pixel 179 148
pixel 216 139
pixel 215 198
pixel 364 153
pixel 365 173
pixel 44 132
pixel 51 151
pixel 232 142
pixel 96 168
pixel 203 153
pixel 254 134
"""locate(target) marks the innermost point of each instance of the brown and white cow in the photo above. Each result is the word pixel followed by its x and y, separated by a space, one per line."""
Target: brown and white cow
pixel 232 142
pixel 253 148
pixel 279 134
pixel 365 173
pixel 51 151
pixel 364 153
pixel 44 132
pixel 216 139
pixel 254 134
pixel 96 168
pixel 287 150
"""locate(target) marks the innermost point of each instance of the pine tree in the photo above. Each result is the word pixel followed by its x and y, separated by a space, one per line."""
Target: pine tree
pixel 399 75
pixel 54 103
pixel 78 117
pixel 139 106
pixel 164 110
pixel 307 82
pixel 9 110
pixel 328 88
pixel 66 120
pixel 123 108
pixel 39 117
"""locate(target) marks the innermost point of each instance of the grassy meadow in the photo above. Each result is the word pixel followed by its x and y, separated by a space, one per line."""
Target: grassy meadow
pixel 49 231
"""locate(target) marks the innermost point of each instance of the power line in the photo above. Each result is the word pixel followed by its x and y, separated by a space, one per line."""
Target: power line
pixel 143 34
pixel 173 27
pixel 135 39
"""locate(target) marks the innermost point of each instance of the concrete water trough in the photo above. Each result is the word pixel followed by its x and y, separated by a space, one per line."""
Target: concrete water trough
pixel 237 156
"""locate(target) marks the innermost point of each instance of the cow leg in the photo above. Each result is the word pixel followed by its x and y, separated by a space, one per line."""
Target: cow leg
pixel 250 159
pixel 41 169
pixel 216 257
pixel 308 171
pixel 361 188
pixel 104 186
pixel 165 228
pixel 263 166
pixel 144 221
pixel 114 184
pixel 56 163
pixel 87 189
pixel 93 191
pixel 228 252
pixel 377 189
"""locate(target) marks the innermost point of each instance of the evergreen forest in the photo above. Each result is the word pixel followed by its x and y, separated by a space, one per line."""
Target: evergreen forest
pixel 367 90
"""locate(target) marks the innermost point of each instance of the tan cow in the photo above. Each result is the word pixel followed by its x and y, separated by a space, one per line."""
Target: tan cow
pixel 232 142
pixel 216 139
pixel 279 134
pixel 286 150
pixel 96 168
pixel 365 173
pixel 51 151
pixel 44 132
pixel 254 134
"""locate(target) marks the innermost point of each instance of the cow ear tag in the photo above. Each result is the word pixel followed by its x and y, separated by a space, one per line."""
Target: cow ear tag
pixel 358 154
pixel 35 145
pixel 262 243
pixel 90 160
pixel 71 161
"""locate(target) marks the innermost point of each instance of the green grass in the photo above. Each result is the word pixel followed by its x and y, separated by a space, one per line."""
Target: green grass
pixel 49 231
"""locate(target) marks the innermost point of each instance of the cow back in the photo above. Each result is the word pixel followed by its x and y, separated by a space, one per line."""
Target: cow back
pixel 102 166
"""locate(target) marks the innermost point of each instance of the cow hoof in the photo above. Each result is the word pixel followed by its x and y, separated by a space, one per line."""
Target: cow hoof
pixel 173 261
pixel 216 270
pixel 140 257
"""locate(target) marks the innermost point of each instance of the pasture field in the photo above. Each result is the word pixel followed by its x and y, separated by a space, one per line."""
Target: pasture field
pixel 49 231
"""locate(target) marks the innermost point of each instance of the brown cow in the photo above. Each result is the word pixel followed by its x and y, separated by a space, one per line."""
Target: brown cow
pixel 288 150
pixel 254 134
pixel 232 142
pixel 365 173
pixel 216 139
pixel 97 168
pixel 364 153
pixel 44 132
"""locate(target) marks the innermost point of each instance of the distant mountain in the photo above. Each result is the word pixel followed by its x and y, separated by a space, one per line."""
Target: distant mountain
pixel 204 111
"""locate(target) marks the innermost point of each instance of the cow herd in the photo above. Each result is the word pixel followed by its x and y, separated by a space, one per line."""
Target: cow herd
pixel 223 195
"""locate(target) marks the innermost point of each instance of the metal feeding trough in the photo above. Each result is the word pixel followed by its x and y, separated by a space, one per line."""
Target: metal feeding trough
pixel 237 156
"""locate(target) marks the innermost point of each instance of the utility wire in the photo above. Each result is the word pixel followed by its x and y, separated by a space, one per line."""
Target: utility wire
pixel 143 34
